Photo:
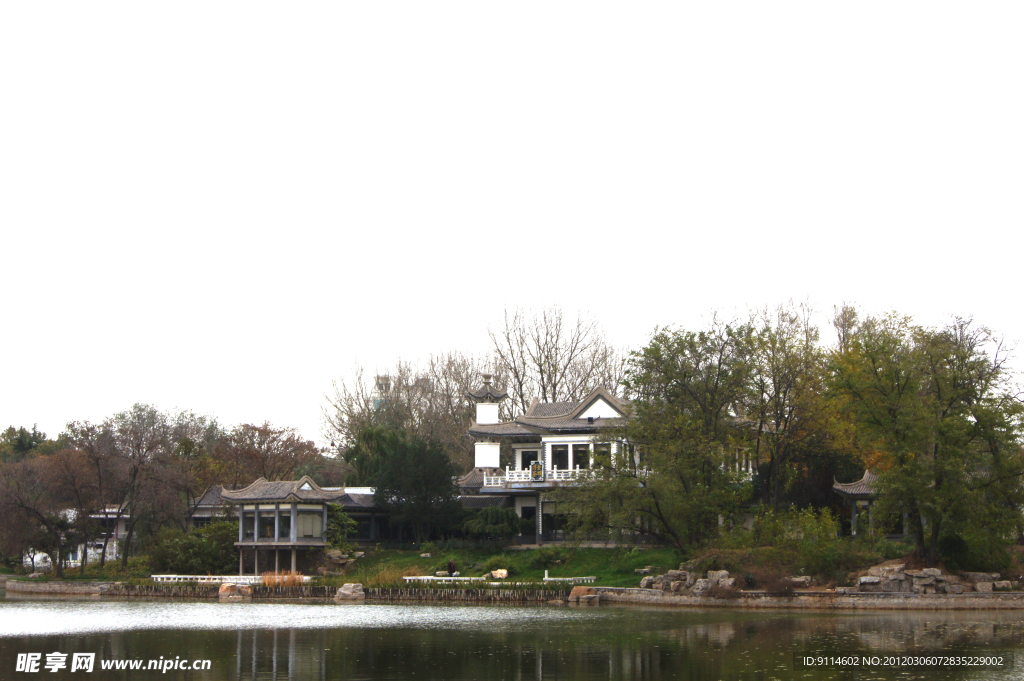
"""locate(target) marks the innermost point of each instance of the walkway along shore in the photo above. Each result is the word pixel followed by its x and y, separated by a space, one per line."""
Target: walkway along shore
pixel 581 595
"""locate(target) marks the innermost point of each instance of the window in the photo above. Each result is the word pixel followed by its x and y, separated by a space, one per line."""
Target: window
pixel 309 525
pixel 603 451
pixel 581 456
pixel 527 458
pixel 560 457
pixel 284 528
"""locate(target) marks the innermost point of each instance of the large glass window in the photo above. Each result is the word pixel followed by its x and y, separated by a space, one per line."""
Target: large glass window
pixel 581 456
pixel 603 451
pixel 560 457
pixel 527 458
pixel 309 525
pixel 248 524
pixel 284 528
pixel 267 524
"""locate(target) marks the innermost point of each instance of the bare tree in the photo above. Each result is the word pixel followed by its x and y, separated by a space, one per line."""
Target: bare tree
pixel 543 355
pixel 267 452
pixel 428 401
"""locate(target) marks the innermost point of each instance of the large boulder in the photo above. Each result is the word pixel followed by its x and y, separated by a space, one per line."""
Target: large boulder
pixel 983 587
pixel 716 576
pixel 349 593
pixel 647 583
pixel 870 584
pixel 1002 585
pixel 227 590
pixel 701 587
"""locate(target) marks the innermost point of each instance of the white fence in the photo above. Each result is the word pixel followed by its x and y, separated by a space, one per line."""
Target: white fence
pixel 556 474
pixel 216 579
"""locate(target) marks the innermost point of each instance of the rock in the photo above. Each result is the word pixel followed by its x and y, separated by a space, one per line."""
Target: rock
pixel 975 577
pixel 36 575
pixel 801 582
pixel 846 589
pixel 891 585
pixel 350 592
pixel 870 584
pixel 929 590
pixel 335 555
pixel 1002 585
pixel 675 574
pixel 885 570
pixel 594 599
pixel 924 581
pixel 425 555
pixel 441 573
pixel 676 585
pixel 691 579
pixel 914 573
pixel 244 590
pixel 716 576
pixel 227 590
pixel 931 572
pixel 642 571
pixel 647 583
pixel 728 583
pixel 578 591
pixel 701 587
pixel 983 587
pixel 358 554
pixel 954 588
pixel 499 574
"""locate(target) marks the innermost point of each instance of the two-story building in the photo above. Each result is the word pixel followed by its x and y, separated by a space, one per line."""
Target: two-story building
pixel 552 444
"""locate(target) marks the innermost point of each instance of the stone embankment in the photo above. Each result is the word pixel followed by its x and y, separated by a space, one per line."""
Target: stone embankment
pixel 885 587
pixel 897 579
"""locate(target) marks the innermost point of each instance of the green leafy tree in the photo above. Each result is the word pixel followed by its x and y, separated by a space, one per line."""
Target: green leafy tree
pixel 339 525
pixel 668 476
pixel 203 551
pixel 414 480
pixel 938 408
pixel 492 523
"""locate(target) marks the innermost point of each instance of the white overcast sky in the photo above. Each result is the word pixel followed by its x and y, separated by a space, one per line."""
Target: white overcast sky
pixel 223 206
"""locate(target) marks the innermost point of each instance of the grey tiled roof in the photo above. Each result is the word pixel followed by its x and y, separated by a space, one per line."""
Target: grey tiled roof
pixel 570 424
pixel 865 487
pixel 212 496
pixel 507 429
pixel 551 408
pixel 474 479
pixel 488 393
pixel 282 490
pixel 485 501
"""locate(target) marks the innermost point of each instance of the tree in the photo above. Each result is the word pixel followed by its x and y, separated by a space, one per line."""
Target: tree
pixel 267 452
pixel 939 410
pixel 675 484
pixel 427 401
pixel 17 444
pixel 492 523
pixel 548 357
pixel 414 481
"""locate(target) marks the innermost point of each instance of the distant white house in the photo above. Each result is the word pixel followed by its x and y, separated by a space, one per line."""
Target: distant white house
pixel 110 526
pixel 553 444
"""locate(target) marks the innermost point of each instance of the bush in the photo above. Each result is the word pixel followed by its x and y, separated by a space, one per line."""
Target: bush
pixel 547 557
pixel 204 551
pixel 501 562
pixel 492 523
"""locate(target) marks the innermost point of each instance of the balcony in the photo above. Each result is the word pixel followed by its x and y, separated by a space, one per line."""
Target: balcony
pixel 525 478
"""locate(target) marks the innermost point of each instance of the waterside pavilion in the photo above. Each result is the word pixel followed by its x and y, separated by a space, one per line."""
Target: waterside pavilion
pixel 288 515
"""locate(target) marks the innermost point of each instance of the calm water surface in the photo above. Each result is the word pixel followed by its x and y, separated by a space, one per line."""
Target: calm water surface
pixel 314 641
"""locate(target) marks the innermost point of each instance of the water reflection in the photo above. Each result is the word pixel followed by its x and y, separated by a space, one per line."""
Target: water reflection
pixel 262 642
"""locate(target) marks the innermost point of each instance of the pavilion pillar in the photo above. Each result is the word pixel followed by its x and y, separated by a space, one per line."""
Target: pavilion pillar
pixel 294 524
pixel 323 533
pixel 277 564
pixel 853 517
pixel 241 526
pixel 293 560
pixel 277 521
pixel 256 560
pixel 540 515
pixel 241 565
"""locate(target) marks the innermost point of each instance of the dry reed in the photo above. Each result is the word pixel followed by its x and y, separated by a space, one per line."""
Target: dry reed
pixel 282 578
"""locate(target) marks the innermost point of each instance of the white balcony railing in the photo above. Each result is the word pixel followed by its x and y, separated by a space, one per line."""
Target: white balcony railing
pixel 558 475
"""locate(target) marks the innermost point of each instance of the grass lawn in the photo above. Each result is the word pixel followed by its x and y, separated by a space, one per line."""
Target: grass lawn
pixel 612 567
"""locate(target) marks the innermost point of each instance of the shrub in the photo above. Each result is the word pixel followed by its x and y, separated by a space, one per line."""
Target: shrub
pixel 207 550
pixel 501 562
pixel 547 557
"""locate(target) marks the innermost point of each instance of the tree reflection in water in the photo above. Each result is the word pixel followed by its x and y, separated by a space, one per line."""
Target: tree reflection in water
pixel 375 642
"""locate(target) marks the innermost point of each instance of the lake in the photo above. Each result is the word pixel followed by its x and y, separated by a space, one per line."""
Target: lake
pixel 264 641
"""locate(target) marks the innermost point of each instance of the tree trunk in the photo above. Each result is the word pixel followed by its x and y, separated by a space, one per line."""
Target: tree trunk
pixel 933 549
